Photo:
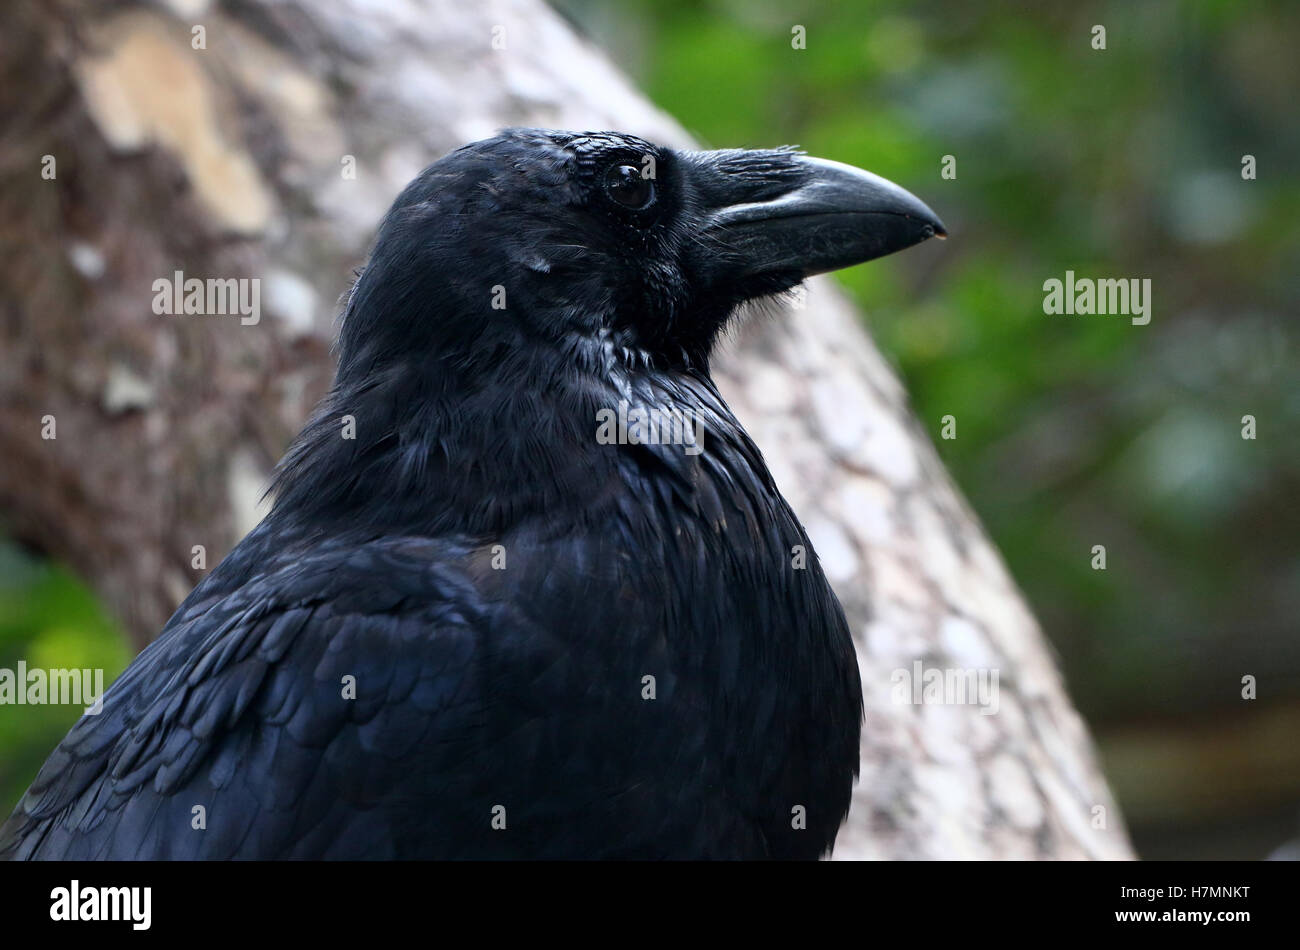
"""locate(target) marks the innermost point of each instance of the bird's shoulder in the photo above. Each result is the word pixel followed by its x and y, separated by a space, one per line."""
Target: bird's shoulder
pixel 371 640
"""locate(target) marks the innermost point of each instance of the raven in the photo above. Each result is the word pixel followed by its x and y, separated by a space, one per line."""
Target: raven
pixel 472 626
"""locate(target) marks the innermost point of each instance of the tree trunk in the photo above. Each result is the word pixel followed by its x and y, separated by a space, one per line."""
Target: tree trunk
pixel 220 140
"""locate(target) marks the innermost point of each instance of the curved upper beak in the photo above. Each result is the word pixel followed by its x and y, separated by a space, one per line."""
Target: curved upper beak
pixel 814 216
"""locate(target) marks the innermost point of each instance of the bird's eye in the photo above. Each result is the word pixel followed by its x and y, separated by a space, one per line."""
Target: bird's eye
pixel 626 186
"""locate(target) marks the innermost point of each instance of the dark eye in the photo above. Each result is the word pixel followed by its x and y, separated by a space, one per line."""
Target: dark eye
pixel 626 186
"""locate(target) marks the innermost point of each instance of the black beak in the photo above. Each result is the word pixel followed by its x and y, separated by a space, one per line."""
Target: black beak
pixel 784 213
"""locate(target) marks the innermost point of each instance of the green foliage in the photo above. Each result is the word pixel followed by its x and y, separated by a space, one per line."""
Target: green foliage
pixel 48 620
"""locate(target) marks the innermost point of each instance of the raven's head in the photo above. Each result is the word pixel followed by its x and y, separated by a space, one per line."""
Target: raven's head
pixel 604 239
pixel 522 282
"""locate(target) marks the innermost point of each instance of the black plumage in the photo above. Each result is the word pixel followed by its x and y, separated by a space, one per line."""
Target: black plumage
pixel 496 584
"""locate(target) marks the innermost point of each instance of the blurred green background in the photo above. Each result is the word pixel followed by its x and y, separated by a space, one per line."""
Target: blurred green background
pixel 1072 431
